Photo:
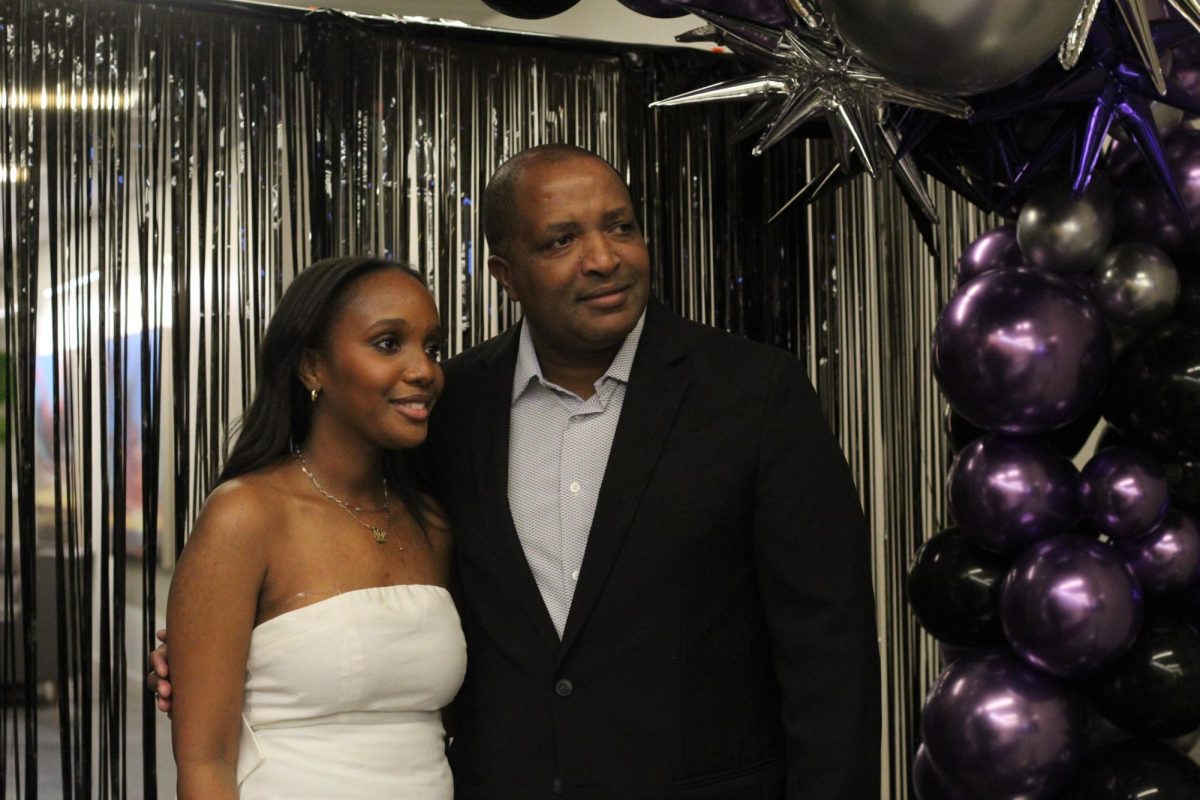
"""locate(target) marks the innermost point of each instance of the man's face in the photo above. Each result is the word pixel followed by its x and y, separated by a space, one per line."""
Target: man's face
pixel 576 260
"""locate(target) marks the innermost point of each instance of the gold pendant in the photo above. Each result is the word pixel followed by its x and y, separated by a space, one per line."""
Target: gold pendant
pixel 380 534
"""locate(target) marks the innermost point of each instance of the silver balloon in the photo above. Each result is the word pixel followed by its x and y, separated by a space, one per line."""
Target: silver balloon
pixel 952 46
pixel 1136 284
pixel 1060 232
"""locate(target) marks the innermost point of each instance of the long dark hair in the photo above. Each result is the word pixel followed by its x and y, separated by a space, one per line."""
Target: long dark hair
pixel 280 415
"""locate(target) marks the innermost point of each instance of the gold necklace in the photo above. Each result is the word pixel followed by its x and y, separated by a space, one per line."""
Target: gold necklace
pixel 381 534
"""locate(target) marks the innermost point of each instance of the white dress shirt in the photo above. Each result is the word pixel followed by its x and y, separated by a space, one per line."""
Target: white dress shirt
pixel 558 449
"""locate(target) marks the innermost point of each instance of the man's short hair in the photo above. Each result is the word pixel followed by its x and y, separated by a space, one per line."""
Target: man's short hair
pixel 500 197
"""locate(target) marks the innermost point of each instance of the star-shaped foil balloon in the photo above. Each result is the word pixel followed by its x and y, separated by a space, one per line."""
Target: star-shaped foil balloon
pixel 1111 85
pixel 1136 16
pixel 806 74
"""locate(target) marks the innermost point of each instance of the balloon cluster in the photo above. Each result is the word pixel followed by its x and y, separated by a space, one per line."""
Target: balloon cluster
pixel 1067 600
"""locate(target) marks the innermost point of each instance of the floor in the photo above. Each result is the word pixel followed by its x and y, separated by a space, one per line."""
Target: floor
pixel 49 749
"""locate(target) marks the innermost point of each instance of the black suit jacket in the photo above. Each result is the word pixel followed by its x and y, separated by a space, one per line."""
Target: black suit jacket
pixel 721 642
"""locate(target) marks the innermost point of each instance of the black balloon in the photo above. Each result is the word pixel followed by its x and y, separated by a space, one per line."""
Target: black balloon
pixel 1135 770
pixel 1154 689
pixel 1154 394
pixel 954 590
pixel 530 9
pixel 1183 484
pixel 1189 292
pixel 1111 437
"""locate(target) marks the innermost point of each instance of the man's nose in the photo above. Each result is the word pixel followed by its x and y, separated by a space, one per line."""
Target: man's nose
pixel 600 256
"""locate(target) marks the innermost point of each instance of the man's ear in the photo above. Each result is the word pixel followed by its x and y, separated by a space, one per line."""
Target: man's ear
pixel 308 370
pixel 502 271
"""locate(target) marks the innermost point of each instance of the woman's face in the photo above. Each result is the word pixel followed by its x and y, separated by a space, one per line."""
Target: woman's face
pixel 378 368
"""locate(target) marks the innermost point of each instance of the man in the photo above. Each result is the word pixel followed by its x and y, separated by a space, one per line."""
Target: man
pixel 663 566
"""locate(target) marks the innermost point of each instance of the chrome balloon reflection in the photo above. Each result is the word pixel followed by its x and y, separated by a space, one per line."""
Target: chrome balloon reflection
pixel 1020 351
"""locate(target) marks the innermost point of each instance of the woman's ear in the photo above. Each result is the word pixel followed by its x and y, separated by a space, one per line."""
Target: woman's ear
pixel 308 370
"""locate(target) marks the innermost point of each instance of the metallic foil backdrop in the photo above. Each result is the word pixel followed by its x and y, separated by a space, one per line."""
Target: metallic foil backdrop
pixel 167 168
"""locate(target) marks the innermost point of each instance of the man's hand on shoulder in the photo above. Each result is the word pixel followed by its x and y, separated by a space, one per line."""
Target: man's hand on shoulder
pixel 156 679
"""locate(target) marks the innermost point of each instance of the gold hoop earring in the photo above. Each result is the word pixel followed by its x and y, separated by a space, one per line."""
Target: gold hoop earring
pixel 313 394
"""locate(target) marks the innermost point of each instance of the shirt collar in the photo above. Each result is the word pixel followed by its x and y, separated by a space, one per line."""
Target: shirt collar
pixel 528 368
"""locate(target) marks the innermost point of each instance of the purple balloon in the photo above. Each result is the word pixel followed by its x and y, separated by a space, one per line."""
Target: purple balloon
pixel 763 12
pixel 1182 151
pixel 995 249
pixel 1070 605
pixel 995 728
pixel 1186 78
pixel 1020 351
pixel 1008 493
pixel 1122 156
pixel 1146 213
pixel 926 781
pixel 1167 559
pixel 655 8
pixel 1123 491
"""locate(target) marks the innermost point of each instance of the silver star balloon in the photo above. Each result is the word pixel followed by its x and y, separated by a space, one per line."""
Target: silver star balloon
pixel 807 74
pixel 1136 16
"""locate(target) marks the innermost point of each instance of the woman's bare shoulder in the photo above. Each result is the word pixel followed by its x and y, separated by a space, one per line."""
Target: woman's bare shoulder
pixel 246 507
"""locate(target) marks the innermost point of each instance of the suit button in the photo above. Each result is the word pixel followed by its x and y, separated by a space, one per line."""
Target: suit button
pixel 563 688
pixel 556 785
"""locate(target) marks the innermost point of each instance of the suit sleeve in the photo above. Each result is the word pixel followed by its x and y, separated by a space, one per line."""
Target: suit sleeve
pixel 812 549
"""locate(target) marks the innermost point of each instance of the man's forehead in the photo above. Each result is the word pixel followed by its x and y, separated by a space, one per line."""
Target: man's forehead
pixel 545 168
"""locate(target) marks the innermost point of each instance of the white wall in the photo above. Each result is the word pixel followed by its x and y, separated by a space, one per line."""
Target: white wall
pixel 605 20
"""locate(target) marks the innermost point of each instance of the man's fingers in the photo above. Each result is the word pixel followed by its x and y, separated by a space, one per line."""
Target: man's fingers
pixel 161 633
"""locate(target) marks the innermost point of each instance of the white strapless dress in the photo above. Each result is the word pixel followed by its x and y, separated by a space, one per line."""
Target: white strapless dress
pixel 343 697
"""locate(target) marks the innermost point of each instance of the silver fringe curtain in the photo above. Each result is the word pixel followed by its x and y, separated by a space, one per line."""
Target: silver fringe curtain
pixel 166 169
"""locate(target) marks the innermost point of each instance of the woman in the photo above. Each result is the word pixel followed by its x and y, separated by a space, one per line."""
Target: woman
pixel 313 641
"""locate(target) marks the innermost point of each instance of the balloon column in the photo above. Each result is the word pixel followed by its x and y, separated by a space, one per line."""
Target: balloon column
pixel 1075 590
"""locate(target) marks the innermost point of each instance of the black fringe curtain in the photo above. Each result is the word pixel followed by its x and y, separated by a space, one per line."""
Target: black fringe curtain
pixel 167 168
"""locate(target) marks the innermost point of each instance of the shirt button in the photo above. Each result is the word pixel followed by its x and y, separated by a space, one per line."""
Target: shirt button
pixel 574 487
pixel 563 688
pixel 575 575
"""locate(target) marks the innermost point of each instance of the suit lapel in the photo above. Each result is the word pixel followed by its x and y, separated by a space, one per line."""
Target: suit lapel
pixel 657 384
pixel 490 430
